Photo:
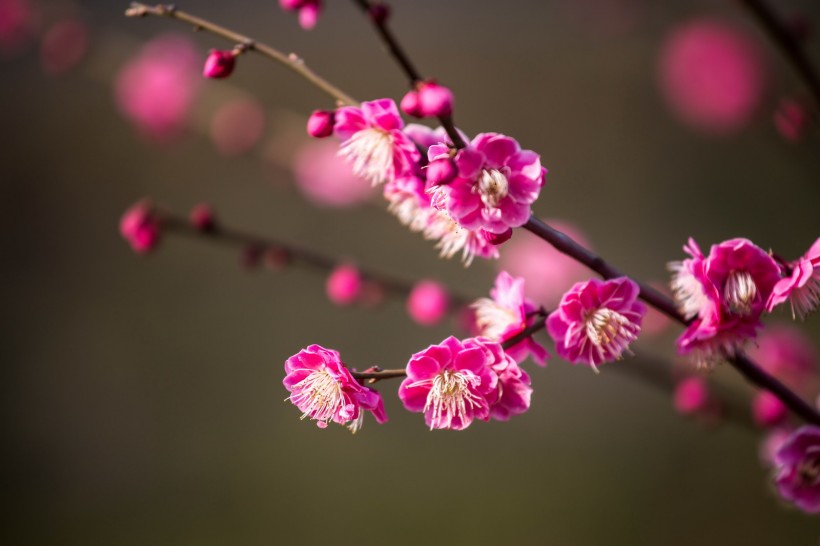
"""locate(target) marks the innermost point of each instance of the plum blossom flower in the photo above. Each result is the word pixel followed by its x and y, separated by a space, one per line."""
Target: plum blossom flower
pixel 596 321
pixel 798 469
pixel 452 383
pixel 323 388
pixel 140 225
pixel 506 314
pixel 514 393
pixel 308 11
pixel 373 141
pixel 496 184
pixel 725 293
pixel 801 285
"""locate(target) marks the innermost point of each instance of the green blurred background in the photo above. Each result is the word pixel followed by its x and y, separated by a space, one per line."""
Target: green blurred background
pixel 143 398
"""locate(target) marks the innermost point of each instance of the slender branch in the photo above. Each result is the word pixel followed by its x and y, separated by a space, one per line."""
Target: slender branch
pixel 787 42
pixel 403 60
pixel 751 371
pixel 291 61
pixel 311 258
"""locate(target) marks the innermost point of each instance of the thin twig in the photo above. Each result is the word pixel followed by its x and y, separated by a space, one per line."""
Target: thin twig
pixel 788 43
pixel 311 258
pixel 291 61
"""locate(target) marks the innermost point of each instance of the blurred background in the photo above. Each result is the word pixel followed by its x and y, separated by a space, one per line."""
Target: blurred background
pixel 142 396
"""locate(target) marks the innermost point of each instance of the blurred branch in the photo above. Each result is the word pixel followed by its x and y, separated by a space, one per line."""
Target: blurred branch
pixel 291 61
pixel 787 42
pixel 180 225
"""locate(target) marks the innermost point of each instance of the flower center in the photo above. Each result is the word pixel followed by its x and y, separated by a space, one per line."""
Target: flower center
pixel 688 291
pixel 449 398
pixel 371 153
pixel 493 186
pixel 609 329
pixel 740 292
pixel 319 396
pixel 808 471
pixel 493 319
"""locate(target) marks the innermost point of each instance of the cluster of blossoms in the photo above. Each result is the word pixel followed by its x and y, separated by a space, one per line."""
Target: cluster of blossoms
pixel 725 293
pixel 467 199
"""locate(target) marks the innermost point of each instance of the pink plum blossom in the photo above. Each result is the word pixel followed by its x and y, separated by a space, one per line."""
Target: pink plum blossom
pixel 428 302
pixel 787 353
pixel 798 469
pixel 725 293
pixel 768 410
pixel 325 178
pixel 691 396
pixel 452 383
pixel 497 183
pixel 712 76
pixel 156 88
pixel 771 443
pixel 323 389
pixel 373 141
pixel 141 227
pixel 596 321
pixel 801 284
pixel 237 126
pixel 548 272
pixel 514 393
pixel 344 285
pixel 506 314
pixel 308 11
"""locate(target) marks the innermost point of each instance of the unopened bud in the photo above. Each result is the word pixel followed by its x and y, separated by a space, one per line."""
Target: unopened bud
pixel 219 64
pixel 320 123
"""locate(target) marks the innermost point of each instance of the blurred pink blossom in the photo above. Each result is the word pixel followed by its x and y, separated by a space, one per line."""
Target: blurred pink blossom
pixel 141 227
pixel 712 76
pixel 787 353
pixel 18 22
pixel 156 88
pixel 237 126
pixel 344 285
pixel 691 395
pixel 63 46
pixel 327 179
pixel 547 272
pixel 428 302
pixel 768 410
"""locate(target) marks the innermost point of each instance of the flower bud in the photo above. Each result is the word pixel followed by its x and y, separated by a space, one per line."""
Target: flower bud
pixel 410 104
pixel 344 285
pixel 441 171
pixel 428 303
pixel 379 13
pixel 435 100
pixel 140 226
pixel 768 410
pixel 320 123
pixel 691 396
pixel 202 218
pixel 219 64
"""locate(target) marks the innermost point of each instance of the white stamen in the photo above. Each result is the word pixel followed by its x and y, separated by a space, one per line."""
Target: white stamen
pixel 450 397
pixel 610 331
pixel 740 292
pixel 493 187
pixel 371 153
pixel 687 290
pixel 319 395
pixel 806 299
pixel 493 319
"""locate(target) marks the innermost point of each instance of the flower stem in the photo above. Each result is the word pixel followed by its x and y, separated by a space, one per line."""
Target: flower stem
pixel 291 61
pixel 403 60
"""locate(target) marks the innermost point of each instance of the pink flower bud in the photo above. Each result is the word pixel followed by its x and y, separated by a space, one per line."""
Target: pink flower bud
pixel 428 303
pixel 320 123
pixel 497 238
pixel 202 218
pixel 768 410
pixel 219 64
pixel 276 258
pixel 691 396
pixel 435 100
pixel 441 172
pixel 344 285
pixel 379 13
pixel 309 14
pixel 291 5
pixel 410 104
pixel 140 226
